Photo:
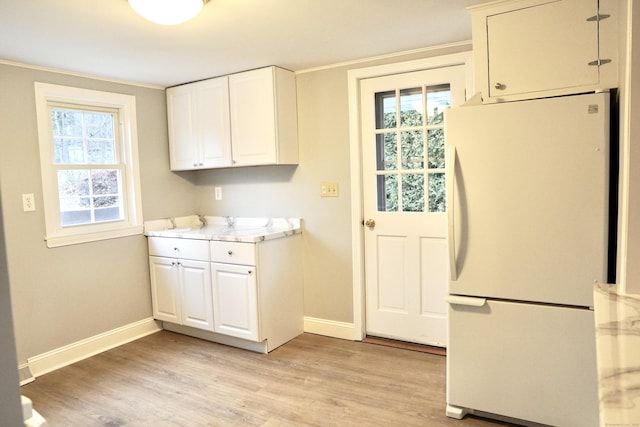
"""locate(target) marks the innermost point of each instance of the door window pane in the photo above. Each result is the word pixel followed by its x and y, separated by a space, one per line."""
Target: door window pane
pixel 411 107
pixel 386 151
pixel 386 110
pixel 412 149
pixel 437 193
pixel 435 144
pixel 387 189
pixel 438 100
pixel 413 192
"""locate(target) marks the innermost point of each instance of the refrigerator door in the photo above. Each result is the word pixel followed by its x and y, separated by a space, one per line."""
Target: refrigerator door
pixel 526 361
pixel 528 205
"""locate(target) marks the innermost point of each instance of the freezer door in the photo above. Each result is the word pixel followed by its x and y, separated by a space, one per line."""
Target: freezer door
pixel 526 361
pixel 528 211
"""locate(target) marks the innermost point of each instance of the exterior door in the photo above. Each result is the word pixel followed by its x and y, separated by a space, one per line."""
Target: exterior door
pixel 403 155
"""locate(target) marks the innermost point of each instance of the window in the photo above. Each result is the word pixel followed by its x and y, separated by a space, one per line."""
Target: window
pixel 89 162
pixel 409 177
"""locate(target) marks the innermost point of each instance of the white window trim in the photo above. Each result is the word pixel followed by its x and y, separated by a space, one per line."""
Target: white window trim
pixel 56 235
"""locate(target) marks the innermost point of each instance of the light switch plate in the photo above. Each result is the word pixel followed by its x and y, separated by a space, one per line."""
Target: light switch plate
pixel 328 189
pixel 218 193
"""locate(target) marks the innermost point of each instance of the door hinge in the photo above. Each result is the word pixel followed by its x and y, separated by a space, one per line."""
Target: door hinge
pixel 599 62
pixel 598 17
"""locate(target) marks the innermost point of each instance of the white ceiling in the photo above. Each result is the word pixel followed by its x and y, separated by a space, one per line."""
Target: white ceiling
pixel 106 38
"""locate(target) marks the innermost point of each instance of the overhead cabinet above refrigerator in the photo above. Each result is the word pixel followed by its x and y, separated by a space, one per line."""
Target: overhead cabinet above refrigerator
pixel 527 49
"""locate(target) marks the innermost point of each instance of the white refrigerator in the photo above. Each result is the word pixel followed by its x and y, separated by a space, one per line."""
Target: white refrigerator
pixel 528 186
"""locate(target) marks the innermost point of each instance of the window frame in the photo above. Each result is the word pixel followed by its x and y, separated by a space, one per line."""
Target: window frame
pixel 56 235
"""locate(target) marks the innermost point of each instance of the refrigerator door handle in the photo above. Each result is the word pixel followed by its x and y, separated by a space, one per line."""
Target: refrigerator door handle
pixel 450 172
pixel 469 301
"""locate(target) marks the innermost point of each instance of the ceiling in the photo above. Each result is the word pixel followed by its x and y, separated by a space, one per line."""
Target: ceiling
pixel 105 38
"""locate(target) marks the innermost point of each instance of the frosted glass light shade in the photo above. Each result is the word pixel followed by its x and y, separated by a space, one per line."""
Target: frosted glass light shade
pixel 167 12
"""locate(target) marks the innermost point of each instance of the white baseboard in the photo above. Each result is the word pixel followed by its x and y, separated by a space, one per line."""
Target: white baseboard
pixel 330 328
pixel 63 356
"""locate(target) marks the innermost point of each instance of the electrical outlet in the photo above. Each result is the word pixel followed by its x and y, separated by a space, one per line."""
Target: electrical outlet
pixel 218 193
pixel 328 189
pixel 28 202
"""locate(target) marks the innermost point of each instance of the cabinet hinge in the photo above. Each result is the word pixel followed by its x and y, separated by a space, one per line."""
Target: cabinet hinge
pixel 598 17
pixel 599 62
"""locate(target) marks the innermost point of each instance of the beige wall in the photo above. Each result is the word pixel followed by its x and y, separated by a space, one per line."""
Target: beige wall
pixel 10 409
pixel 323 120
pixel 66 294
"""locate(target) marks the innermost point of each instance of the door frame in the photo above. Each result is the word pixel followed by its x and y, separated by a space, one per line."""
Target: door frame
pixel 355 150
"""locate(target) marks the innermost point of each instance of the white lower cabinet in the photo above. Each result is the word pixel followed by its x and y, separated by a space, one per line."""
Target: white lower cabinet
pixel 180 287
pixel 235 301
pixel 243 294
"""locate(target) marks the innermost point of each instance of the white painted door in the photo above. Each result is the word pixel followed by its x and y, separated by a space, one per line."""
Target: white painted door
pixel 404 202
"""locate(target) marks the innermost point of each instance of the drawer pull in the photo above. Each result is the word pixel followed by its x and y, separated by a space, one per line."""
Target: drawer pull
pixel 229 253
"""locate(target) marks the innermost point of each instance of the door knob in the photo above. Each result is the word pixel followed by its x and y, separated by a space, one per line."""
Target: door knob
pixel 370 223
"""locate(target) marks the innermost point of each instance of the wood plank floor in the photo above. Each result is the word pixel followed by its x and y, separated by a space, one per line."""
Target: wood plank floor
pixel 167 379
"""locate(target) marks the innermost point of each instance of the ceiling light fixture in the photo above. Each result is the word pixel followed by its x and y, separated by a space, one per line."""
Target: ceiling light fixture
pixel 167 12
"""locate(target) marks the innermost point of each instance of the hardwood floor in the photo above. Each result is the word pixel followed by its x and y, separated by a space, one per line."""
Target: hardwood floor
pixel 167 379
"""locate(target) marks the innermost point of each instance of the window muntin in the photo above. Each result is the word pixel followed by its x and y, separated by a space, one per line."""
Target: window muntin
pixel 89 161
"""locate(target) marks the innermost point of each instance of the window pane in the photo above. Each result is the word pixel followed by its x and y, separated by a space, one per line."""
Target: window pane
pixel 387 151
pixel 413 193
pixel 435 143
pixel 105 181
pixel 412 150
pixel 437 193
pixel 438 100
pixel 387 193
pixel 101 152
pixel 83 136
pixel 411 107
pixel 66 122
pixel 99 125
pixel 69 151
pixel 73 183
pixel 89 196
pixel 386 110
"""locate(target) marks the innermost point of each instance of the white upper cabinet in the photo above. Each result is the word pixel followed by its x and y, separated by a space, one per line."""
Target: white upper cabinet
pixel 244 119
pixel 198 118
pixel 536 48
pixel 263 117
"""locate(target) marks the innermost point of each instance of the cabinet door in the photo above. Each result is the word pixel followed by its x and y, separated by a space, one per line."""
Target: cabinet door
pixel 199 129
pixel 253 121
pixel 165 294
pixel 543 47
pixel 183 151
pixel 235 301
pixel 211 121
pixel 197 304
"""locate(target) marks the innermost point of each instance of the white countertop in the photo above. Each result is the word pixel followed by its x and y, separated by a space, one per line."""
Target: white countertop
pixel 618 347
pixel 231 229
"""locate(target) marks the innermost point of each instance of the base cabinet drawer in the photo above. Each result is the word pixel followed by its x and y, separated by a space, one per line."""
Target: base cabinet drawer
pixel 233 252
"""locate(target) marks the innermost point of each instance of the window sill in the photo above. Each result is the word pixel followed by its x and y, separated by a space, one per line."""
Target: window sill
pixel 73 239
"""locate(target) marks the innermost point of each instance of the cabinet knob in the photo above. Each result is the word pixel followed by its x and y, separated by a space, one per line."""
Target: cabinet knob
pixel 176 249
pixel 500 86
pixel 229 253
